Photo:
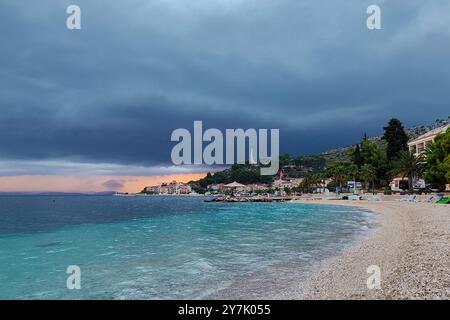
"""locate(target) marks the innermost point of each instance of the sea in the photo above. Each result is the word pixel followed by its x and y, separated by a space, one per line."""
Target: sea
pixel 166 247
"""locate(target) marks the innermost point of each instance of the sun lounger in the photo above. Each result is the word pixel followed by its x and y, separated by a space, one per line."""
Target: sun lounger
pixel 411 198
pixel 354 197
pixel 430 199
pixel 444 201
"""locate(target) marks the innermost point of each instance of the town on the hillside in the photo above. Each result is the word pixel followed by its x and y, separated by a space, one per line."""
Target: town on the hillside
pixel 395 164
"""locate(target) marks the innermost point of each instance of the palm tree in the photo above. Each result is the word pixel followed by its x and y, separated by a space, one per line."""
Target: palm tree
pixel 337 171
pixel 305 184
pixel 315 181
pixel 322 178
pixel 368 173
pixel 352 171
pixel 408 165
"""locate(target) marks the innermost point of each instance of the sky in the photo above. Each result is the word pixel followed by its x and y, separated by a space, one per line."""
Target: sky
pixel 93 109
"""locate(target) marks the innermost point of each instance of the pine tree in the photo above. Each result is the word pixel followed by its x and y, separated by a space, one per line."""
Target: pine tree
pixel 396 138
pixel 357 158
pixel 365 137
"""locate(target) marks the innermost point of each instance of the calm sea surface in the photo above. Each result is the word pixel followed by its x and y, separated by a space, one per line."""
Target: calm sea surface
pixel 161 247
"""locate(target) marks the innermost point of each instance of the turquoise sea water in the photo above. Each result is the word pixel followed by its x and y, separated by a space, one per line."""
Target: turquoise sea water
pixel 161 247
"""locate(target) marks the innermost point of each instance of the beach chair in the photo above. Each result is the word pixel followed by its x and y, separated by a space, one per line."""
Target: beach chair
pixel 444 200
pixel 411 198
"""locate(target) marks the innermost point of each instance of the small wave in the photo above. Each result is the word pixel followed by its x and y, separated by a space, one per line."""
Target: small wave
pixel 107 253
pixel 50 244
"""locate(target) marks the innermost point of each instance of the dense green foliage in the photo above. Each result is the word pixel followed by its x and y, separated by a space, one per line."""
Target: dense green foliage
pixel 310 183
pixel 370 154
pixel 244 174
pixel 368 175
pixel 373 162
pixel 396 138
pixel 357 157
pixel 302 166
pixel 408 165
pixel 339 171
pixel 438 161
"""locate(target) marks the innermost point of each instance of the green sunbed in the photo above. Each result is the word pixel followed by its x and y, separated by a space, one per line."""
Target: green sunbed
pixel 444 201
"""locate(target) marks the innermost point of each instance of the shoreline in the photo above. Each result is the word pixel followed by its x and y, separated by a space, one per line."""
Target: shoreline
pixel 410 247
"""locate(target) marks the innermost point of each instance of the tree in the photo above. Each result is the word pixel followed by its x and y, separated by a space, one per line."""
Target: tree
pixel 374 154
pixel 287 190
pixel 285 160
pixel 310 183
pixel 316 180
pixel 438 161
pixel 322 177
pixel 338 171
pixel 244 174
pixel 368 173
pixel 352 171
pixel 356 156
pixel 305 185
pixel 396 138
pixel 365 137
pixel 408 165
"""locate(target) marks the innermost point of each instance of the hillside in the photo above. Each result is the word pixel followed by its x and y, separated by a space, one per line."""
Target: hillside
pixel 413 132
pixel 300 166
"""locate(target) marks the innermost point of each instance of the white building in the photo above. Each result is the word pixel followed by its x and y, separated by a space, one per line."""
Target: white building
pixel 287 183
pixel 166 188
pixel 419 145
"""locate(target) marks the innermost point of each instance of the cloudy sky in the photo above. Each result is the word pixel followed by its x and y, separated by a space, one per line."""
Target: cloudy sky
pixel 98 105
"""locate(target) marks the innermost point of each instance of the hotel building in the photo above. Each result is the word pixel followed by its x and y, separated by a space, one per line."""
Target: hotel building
pixel 165 188
pixel 419 145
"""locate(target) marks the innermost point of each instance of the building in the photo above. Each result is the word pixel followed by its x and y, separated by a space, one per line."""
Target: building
pixel 184 188
pixel 166 188
pixel 257 187
pixel 234 187
pixel 419 145
pixel 152 189
pixel 287 183
pixel 216 188
pixel 399 184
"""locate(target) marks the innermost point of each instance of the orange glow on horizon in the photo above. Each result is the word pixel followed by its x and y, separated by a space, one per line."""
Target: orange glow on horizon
pixel 86 183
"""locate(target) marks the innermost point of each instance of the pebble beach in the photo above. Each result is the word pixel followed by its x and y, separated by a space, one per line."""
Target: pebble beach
pixel 411 248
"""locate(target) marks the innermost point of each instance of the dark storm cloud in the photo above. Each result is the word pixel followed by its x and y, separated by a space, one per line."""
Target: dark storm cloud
pixel 114 91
